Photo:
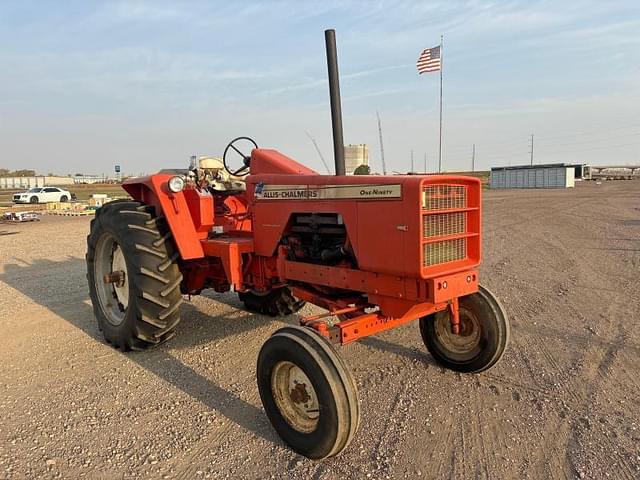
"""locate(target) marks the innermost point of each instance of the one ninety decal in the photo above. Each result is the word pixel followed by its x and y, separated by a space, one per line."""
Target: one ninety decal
pixel 327 192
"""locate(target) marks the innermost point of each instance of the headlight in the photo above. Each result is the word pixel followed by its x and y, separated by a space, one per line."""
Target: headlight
pixel 176 184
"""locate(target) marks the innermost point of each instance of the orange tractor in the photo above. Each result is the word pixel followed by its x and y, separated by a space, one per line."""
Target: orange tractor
pixel 375 252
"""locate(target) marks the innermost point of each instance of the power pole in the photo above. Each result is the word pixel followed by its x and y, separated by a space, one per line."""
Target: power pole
pixel 531 149
pixel 473 158
pixel 425 162
pixel 412 160
pixel 384 167
pixel 319 152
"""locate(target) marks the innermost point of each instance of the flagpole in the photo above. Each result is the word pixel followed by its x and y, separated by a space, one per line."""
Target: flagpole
pixel 440 145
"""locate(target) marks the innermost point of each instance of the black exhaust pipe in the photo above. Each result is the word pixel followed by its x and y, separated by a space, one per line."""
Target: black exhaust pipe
pixel 334 95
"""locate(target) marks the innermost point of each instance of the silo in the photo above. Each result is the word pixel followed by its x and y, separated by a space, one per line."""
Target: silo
pixel 354 156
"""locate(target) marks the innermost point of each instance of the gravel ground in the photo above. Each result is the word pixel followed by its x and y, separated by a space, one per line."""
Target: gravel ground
pixel 563 403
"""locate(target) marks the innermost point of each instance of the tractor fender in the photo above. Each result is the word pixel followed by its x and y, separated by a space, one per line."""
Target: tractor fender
pixel 153 190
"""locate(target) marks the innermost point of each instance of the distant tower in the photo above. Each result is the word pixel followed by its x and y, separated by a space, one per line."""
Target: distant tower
pixel 354 156
pixel 384 166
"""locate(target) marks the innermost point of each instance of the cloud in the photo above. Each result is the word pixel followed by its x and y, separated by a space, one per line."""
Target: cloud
pixel 143 11
pixel 373 93
pixel 307 84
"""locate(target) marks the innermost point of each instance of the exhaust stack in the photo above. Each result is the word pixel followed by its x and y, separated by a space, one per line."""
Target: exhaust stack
pixel 334 95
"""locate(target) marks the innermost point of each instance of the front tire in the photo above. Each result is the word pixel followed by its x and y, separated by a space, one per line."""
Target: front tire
pixel 141 309
pixel 483 337
pixel 33 199
pixel 64 199
pixel 307 392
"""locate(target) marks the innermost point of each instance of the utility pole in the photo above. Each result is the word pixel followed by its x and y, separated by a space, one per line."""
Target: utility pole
pixel 412 160
pixel 425 162
pixel 531 149
pixel 473 158
pixel 384 166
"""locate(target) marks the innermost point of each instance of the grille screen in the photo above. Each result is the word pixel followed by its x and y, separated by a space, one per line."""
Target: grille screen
pixel 444 197
pixel 437 198
pixel 445 251
pixel 441 224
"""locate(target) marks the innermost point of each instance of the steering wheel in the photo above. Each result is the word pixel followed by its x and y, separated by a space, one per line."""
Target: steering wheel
pixel 246 159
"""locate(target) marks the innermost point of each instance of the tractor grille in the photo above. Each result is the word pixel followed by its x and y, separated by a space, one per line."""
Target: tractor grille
pixel 444 197
pixel 445 251
pixel 442 225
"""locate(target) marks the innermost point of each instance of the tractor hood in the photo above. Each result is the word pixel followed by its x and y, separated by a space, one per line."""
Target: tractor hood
pixel 265 161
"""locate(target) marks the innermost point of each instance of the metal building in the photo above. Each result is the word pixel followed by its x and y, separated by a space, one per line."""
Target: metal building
pixel 354 156
pixel 581 171
pixel 552 175
pixel 18 183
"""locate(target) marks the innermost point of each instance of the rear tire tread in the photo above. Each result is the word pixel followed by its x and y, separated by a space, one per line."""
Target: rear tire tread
pixel 171 287
pixel 155 276
pixel 154 297
pixel 170 310
pixel 170 261
pixel 163 239
pixel 135 212
pixel 152 251
pixel 140 228
pixel 277 303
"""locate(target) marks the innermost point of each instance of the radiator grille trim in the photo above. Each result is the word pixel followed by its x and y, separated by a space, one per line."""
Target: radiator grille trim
pixel 449 221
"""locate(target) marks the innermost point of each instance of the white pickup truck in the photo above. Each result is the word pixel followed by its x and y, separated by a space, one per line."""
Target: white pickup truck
pixel 42 195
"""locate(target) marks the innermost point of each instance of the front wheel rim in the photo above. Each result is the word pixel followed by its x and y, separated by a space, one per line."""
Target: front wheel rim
pixel 465 342
pixel 113 297
pixel 295 397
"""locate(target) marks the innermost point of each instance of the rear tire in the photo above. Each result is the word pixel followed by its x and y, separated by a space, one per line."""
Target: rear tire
pixel 127 236
pixel 275 303
pixel 307 392
pixel 483 338
pixel 64 199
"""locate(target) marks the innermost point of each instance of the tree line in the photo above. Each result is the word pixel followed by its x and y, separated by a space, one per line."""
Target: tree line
pixel 5 172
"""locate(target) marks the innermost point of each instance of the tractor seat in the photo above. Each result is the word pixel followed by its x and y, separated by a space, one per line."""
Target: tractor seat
pixel 219 179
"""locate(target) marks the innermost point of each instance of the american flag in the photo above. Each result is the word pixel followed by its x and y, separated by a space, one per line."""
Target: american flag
pixel 429 60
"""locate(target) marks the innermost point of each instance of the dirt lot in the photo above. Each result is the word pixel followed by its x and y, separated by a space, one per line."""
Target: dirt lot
pixel 563 403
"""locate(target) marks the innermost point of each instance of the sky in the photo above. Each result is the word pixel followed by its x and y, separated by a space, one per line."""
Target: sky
pixel 86 85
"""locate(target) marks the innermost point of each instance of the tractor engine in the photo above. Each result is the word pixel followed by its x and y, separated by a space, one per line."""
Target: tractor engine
pixel 319 238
